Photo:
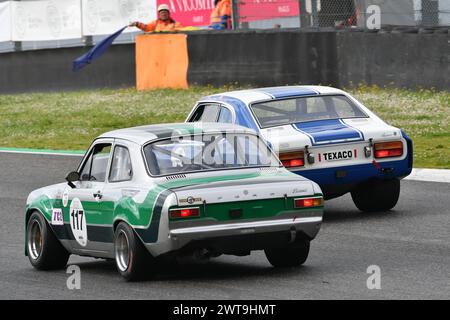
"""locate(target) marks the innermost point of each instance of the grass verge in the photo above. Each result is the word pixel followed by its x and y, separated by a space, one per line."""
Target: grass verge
pixel 70 120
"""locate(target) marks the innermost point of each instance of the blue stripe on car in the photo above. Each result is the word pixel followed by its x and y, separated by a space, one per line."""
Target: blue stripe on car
pixel 328 131
pixel 287 92
pixel 243 116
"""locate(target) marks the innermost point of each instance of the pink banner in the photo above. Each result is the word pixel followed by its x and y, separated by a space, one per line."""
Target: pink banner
pixel 251 10
pixel 195 13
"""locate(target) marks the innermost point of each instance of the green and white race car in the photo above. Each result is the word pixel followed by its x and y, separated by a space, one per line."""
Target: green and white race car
pixel 171 190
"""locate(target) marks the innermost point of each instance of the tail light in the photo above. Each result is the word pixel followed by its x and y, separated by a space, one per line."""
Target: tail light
pixel 308 202
pixel 184 213
pixel 292 159
pixel 388 149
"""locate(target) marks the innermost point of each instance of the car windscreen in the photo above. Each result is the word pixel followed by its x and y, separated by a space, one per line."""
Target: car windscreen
pixel 303 109
pixel 203 152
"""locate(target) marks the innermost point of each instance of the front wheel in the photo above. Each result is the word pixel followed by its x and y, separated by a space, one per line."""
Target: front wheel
pixel 291 256
pixel 375 196
pixel 133 261
pixel 44 250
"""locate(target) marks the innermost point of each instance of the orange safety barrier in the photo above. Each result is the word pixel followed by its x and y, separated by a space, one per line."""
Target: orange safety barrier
pixel 161 61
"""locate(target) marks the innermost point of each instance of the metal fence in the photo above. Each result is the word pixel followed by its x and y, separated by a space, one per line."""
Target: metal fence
pixel 337 14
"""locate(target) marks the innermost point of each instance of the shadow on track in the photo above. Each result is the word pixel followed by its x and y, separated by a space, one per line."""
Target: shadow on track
pixel 340 215
pixel 199 271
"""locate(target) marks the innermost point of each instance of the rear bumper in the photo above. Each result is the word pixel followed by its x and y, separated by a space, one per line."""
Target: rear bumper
pixel 342 179
pixel 234 236
pixel 309 225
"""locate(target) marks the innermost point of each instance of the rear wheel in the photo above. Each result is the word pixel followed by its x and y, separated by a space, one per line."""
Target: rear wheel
pixel 133 261
pixel 44 250
pixel 379 195
pixel 290 256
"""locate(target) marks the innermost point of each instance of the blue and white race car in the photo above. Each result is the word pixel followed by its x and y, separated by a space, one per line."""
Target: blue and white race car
pixel 324 134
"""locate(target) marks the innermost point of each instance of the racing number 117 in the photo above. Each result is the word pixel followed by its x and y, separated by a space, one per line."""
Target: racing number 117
pixel 77 218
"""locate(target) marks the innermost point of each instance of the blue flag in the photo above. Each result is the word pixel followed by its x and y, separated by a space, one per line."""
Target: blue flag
pixel 96 52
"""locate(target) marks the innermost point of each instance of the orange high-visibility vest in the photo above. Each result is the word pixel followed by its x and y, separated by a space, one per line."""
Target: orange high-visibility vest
pixel 160 26
pixel 222 9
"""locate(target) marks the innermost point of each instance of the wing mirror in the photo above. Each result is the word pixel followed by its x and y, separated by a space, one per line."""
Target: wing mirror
pixel 71 177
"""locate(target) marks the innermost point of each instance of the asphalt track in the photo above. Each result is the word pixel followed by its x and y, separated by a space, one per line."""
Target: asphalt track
pixel 410 244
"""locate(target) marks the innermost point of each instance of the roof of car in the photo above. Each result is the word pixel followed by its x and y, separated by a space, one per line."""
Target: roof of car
pixel 148 133
pixel 251 95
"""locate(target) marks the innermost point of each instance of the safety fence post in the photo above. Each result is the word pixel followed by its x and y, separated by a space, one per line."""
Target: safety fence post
pixel 315 17
pixel 304 21
pixel 18 44
pixel 235 14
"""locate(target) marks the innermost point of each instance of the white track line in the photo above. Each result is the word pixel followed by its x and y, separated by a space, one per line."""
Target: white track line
pixel 43 153
pixel 431 175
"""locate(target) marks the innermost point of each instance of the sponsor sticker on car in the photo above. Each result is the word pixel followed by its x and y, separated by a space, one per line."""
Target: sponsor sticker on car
pixel 57 217
pixel 338 155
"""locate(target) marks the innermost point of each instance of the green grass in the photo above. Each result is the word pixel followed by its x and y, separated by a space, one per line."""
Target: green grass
pixel 70 120
pixel 423 114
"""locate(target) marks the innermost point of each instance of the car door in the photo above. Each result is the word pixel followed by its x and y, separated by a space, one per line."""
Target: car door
pixel 120 187
pixel 85 207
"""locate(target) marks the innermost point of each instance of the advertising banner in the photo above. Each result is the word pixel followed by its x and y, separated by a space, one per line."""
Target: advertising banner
pixel 46 20
pixel 190 13
pixel 252 10
pixel 107 16
pixel 398 12
pixel 5 21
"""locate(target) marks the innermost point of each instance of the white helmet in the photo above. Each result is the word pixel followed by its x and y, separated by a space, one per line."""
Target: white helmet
pixel 163 7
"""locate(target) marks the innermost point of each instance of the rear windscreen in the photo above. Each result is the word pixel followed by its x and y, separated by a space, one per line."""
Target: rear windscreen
pixel 208 152
pixel 282 112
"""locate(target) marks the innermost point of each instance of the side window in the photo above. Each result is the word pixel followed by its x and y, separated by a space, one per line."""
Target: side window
pixel 120 165
pixel 225 116
pixel 95 167
pixel 205 113
pixel 197 114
